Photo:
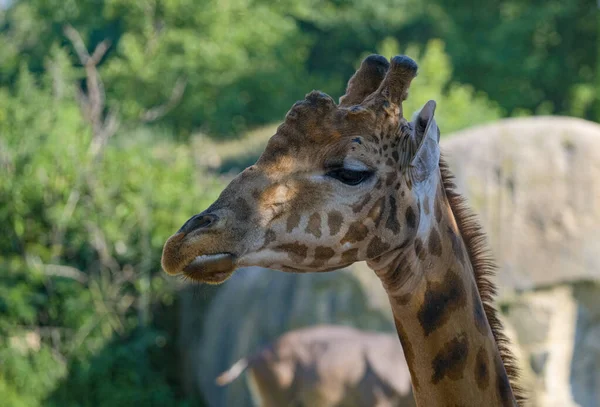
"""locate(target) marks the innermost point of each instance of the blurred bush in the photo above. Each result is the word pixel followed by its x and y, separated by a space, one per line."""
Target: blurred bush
pixel 244 62
pixel 81 240
pixel 458 105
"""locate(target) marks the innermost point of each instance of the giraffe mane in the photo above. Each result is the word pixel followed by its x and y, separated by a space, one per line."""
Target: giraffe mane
pixel 485 269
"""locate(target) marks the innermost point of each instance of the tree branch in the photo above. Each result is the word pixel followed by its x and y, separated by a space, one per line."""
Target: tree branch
pixel 73 35
pixel 65 271
pixel 99 52
pixel 159 111
pixel 93 100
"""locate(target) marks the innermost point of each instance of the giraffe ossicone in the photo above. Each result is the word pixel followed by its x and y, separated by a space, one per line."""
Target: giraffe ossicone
pixel 354 181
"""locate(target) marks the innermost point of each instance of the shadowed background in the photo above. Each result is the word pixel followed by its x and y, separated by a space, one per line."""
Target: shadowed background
pixel 119 120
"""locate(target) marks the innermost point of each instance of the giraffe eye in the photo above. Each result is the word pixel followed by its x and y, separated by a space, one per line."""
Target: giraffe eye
pixel 349 177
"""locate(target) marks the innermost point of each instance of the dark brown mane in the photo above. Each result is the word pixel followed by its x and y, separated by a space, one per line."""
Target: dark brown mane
pixel 484 268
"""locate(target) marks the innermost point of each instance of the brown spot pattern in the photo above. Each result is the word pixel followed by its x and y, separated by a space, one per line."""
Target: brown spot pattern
pixel 441 300
pixel 314 225
pixel 404 299
pixel 296 251
pixel 377 210
pixel 350 256
pixel 451 361
pixel 357 232
pixel 324 253
pixel 438 210
pixel 411 218
pixel 420 253
pixel 426 207
pixel 390 178
pixel 292 221
pixel 359 205
pixel 457 247
pixel 392 220
pixel 334 221
pixel 376 247
pixel 482 373
pixel 434 243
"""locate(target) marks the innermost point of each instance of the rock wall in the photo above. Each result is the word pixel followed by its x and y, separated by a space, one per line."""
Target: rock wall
pixel 535 182
pixel 556 331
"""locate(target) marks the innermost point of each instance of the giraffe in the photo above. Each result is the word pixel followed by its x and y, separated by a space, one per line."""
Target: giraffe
pixel 327 366
pixel 354 181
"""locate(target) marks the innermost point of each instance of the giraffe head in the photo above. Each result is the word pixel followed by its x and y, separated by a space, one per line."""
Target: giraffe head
pixel 336 184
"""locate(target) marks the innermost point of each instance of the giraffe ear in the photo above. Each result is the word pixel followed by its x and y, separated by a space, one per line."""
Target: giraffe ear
pixel 427 137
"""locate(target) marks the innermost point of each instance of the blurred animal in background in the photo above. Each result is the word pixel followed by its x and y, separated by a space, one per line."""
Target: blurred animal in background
pixel 327 366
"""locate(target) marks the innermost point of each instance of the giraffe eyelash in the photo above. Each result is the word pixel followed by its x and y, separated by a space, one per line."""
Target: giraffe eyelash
pixel 349 177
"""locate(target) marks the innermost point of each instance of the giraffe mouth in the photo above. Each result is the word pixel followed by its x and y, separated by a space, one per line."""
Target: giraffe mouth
pixel 211 268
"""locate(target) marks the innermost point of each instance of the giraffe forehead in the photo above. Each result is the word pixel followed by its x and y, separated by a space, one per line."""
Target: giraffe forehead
pixel 283 156
pixel 313 136
pixel 310 127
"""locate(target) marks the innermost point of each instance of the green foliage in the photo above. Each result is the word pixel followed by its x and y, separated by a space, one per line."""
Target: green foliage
pixel 124 373
pixel 21 384
pixel 246 62
pixel 81 243
pixel 526 55
pixel 458 106
pixel 231 63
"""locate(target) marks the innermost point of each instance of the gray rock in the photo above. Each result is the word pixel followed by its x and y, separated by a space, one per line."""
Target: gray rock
pixel 542 325
pixel 585 365
pixel 535 183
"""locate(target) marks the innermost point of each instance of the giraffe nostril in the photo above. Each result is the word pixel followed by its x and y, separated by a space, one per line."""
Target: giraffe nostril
pixel 200 221
pixel 204 222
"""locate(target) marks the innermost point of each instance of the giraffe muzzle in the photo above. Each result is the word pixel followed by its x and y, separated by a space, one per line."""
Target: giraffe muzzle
pixel 211 268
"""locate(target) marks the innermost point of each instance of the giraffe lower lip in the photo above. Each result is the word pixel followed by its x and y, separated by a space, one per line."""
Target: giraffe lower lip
pixel 211 268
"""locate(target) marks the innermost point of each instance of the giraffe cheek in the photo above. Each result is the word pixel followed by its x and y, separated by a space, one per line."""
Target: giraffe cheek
pixel 313 226
pixel 275 211
pixel 357 232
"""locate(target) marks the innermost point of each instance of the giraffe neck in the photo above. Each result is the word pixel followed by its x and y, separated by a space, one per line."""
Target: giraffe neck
pixel 439 316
